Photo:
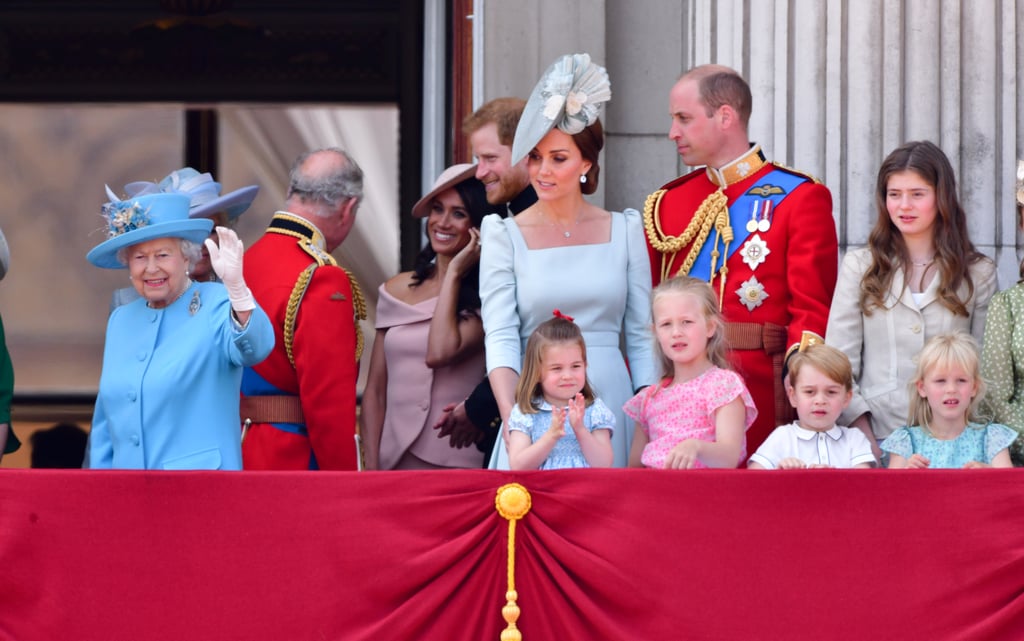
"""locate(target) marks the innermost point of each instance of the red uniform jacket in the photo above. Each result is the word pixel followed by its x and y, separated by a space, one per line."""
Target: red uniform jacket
pixel 324 350
pixel 798 274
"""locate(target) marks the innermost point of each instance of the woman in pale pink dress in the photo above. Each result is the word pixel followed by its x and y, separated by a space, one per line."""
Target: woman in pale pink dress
pixel 429 349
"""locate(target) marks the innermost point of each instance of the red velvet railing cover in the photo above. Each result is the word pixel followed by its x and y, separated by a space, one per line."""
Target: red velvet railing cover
pixel 603 554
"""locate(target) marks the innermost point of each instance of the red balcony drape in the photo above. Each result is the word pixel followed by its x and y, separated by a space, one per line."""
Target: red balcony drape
pixel 603 554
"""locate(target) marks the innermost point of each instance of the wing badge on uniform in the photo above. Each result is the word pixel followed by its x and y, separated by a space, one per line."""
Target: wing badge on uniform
pixel 766 190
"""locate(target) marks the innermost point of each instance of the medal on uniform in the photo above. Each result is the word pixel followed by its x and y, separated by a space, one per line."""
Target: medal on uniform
pixel 755 211
pixel 754 251
pixel 751 293
pixel 761 219
pixel 764 222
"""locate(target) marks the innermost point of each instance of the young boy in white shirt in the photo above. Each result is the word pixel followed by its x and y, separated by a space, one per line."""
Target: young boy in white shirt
pixel 822 386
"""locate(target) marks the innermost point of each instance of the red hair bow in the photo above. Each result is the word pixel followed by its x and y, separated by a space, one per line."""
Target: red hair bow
pixel 559 314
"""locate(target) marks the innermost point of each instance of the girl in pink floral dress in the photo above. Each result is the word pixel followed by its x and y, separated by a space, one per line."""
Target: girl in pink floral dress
pixel 698 414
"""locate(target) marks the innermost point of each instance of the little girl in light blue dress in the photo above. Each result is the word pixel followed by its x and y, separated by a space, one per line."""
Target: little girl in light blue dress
pixel 945 431
pixel 557 422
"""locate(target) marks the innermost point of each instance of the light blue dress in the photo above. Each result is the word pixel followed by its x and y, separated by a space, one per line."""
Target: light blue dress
pixel 168 394
pixel 976 443
pixel 567 452
pixel 605 287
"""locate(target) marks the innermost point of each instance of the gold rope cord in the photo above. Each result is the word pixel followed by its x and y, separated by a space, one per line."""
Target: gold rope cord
pixel 358 310
pixel 512 501
pixel 707 215
pixel 292 310
pixel 725 234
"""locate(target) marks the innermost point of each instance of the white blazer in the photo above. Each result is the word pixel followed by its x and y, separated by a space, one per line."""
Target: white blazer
pixel 882 346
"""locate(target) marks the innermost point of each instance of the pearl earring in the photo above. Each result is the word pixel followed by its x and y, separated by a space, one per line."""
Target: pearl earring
pixel 583 178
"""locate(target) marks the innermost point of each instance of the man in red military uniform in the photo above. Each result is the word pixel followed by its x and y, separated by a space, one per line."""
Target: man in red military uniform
pixel 299 405
pixel 761 234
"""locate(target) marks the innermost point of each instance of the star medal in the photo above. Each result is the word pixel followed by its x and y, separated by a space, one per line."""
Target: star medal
pixel 751 293
pixel 755 251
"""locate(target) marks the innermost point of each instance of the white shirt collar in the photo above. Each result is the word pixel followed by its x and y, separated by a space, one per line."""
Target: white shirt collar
pixel 804 434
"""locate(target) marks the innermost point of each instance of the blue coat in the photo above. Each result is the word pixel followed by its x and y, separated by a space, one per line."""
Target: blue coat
pixel 168 395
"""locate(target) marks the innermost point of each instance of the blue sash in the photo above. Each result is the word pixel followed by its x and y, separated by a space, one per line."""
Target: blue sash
pixel 773 186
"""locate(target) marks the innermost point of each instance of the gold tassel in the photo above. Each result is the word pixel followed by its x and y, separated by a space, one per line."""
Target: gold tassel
pixel 512 502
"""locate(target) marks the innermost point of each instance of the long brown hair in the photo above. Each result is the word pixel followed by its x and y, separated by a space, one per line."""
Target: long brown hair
pixel 553 331
pixel 954 251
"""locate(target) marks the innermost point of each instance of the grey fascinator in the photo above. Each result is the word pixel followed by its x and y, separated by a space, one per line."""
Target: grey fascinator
pixel 569 96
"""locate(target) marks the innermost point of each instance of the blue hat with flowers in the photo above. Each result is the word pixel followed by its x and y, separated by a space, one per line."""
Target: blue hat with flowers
pixel 136 220
pixel 203 192
pixel 569 96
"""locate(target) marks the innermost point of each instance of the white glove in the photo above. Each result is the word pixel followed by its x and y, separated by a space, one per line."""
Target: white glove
pixel 227 263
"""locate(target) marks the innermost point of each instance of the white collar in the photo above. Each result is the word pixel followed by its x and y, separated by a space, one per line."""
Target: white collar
pixel 804 434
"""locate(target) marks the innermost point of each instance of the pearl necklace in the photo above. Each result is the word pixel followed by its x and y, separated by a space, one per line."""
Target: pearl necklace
pixel 188 285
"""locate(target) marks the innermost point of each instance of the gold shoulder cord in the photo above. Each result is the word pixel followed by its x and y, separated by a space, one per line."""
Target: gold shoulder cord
pixel 714 211
pixel 358 310
pixel 292 310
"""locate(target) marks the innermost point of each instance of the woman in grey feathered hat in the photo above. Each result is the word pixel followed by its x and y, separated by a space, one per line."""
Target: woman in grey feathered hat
pixel 566 253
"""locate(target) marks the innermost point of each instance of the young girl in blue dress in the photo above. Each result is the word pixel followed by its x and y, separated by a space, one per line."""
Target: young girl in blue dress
pixel 557 422
pixel 943 428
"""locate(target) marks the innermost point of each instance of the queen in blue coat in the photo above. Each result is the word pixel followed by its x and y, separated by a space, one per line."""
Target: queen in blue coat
pixel 172 363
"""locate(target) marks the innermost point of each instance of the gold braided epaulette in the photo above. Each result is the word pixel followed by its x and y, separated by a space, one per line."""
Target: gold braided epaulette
pixel 359 308
pixel 797 172
pixel 292 310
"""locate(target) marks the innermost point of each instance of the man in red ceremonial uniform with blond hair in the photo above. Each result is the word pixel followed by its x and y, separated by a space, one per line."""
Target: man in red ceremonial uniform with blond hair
pixel 761 234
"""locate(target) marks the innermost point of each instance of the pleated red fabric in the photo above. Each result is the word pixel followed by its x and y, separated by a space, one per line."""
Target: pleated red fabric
pixel 603 554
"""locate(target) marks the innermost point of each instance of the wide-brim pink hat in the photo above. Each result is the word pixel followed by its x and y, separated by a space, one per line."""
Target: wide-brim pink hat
pixel 448 179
